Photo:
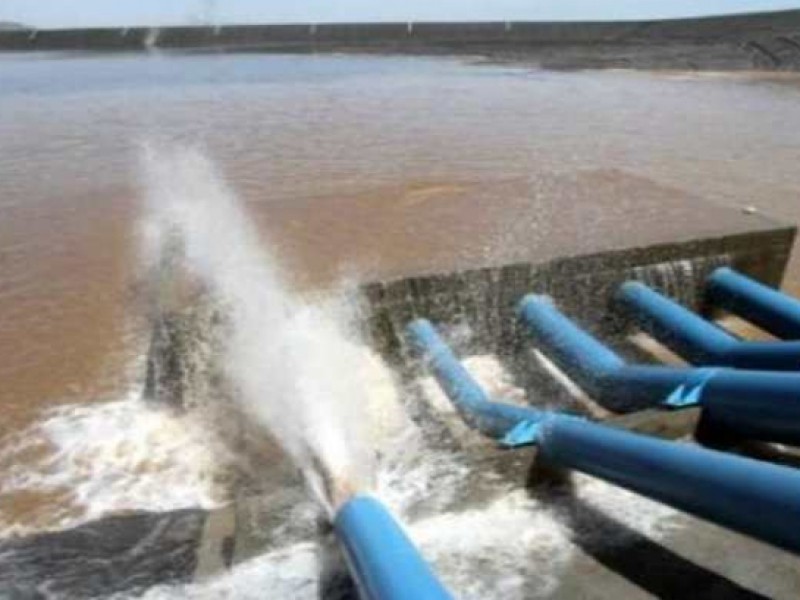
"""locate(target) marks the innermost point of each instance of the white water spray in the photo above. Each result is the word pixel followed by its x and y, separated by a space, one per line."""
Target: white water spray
pixel 297 370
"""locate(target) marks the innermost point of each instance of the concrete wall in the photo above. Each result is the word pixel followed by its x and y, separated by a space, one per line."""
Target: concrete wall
pixel 485 299
pixel 736 30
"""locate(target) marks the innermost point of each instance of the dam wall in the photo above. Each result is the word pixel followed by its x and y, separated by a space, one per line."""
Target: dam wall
pixel 485 299
pixel 762 40
pixel 666 237
pixel 670 240
pixel 128 553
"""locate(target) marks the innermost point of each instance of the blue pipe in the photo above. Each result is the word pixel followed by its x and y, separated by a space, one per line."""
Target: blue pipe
pixel 754 498
pixel 753 404
pixel 494 419
pixel 764 306
pixel 758 499
pixel 383 561
pixel 699 341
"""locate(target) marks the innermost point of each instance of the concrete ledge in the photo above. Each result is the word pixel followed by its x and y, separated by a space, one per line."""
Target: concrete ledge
pixel 577 243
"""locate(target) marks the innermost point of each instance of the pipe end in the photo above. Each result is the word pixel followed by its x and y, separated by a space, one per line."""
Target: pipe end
pixel 535 299
pixel 632 286
pixel 721 272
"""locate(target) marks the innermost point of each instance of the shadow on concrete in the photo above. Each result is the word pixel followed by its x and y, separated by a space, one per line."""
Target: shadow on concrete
pixel 788 457
pixel 635 557
pixel 716 437
pixel 645 563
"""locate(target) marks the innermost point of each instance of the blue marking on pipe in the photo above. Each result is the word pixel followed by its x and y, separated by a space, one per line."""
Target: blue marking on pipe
pixel 699 341
pixel 382 559
pixel 511 424
pixel 767 307
pixel 524 433
pixel 690 393
pixel 753 404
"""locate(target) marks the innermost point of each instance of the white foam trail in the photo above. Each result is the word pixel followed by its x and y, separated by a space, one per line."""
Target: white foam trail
pixel 518 548
pixel 289 572
pixel 513 548
pixel 107 457
pixel 647 517
pixel 297 370
pixel 411 473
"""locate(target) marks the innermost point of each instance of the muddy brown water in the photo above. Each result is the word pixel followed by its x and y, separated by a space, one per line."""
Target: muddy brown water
pixel 337 158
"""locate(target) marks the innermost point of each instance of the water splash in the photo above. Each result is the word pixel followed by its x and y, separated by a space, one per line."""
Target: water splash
pixel 289 572
pixel 86 461
pixel 515 545
pixel 296 367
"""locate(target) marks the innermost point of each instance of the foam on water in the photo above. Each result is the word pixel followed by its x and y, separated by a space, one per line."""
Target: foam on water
pixel 289 572
pixel 411 472
pixel 106 457
pixel 512 548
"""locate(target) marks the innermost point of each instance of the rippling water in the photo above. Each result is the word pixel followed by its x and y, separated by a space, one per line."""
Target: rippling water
pixel 337 157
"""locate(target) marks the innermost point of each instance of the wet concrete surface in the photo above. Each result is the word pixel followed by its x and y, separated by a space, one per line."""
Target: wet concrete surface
pixel 698 561
pixel 120 553
pixel 576 213
pixel 579 245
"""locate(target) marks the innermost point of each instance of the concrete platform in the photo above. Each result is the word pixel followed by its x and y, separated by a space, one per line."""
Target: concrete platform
pixel 698 560
pixel 471 256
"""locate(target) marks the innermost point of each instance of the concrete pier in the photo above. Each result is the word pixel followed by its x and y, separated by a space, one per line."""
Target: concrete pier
pixel 578 246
